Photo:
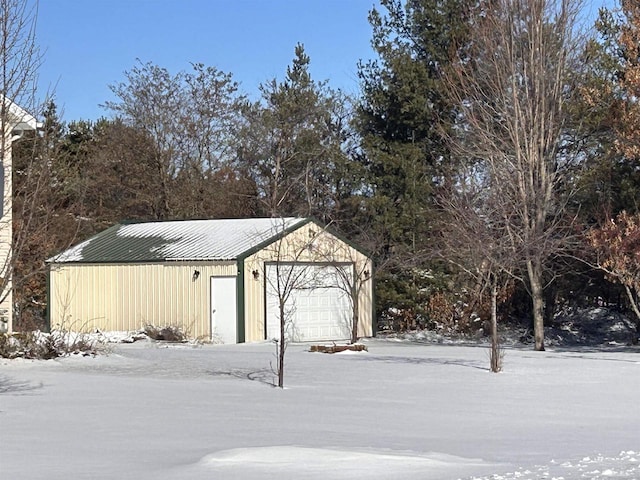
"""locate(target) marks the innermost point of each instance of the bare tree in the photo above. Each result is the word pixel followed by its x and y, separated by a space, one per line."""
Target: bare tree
pixel 301 262
pixel 511 92
pixel 45 214
pixel 290 274
pixel 19 62
pixel 189 118
pixel 20 59
pixel 474 239
pixel 288 279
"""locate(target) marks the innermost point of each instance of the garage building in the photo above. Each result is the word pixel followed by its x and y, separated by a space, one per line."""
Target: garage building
pixel 222 280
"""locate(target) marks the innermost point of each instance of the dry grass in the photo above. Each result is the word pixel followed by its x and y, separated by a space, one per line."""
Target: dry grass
pixel 45 346
pixel 168 333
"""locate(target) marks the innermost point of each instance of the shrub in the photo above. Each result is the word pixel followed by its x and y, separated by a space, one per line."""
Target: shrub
pixel 168 333
pixel 67 342
pixel 24 344
pixel 45 346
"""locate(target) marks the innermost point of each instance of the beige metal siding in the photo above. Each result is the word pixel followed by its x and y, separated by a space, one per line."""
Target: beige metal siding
pixel 129 296
pixel 310 243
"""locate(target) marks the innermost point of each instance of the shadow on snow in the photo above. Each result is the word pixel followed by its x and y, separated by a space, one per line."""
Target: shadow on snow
pixel 11 386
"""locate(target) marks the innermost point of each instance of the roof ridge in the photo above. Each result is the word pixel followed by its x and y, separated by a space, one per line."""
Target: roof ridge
pixel 206 239
pixel 136 222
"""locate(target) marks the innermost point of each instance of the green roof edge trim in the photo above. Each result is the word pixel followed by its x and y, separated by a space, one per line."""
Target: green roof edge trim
pixel 240 317
pixel 47 327
pixel 374 320
pixel 295 227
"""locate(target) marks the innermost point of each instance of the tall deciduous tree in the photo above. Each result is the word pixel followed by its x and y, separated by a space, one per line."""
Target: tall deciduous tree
pixel 20 57
pixel 514 120
pixel 190 118
pixel 401 117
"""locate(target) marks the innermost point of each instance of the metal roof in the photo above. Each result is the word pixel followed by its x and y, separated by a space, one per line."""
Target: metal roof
pixel 178 240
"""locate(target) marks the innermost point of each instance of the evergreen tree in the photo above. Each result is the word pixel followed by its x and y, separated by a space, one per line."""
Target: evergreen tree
pixel 609 183
pixel 402 119
pixel 611 115
pixel 605 105
pixel 45 214
pixel 293 145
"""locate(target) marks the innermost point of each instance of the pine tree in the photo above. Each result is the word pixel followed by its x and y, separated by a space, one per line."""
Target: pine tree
pixel 44 214
pixel 293 144
pixel 402 117
pixel 607 107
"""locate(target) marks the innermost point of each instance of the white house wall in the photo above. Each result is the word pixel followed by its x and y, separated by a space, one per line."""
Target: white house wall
pixel 127 297
pixel 16 119
pixel 6 233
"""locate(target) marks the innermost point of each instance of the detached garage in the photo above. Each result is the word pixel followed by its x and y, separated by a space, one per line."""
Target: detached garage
pixel 230 281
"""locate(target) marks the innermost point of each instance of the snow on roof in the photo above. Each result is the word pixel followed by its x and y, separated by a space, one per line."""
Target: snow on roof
pixel 177 240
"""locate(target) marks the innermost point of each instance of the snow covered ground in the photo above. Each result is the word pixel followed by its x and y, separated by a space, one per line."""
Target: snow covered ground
pixel 402 410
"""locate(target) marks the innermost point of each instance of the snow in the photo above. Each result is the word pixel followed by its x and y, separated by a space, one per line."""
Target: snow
pixel 404 409
pixel 73 254
pixel 218 239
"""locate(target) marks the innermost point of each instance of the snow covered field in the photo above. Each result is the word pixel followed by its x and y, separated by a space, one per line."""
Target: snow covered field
pixel 402 410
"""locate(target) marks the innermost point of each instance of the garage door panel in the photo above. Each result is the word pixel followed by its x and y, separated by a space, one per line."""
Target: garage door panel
pixel 319 310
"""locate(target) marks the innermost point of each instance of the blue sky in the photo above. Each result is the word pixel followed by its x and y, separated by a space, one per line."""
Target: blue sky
pixel 88 44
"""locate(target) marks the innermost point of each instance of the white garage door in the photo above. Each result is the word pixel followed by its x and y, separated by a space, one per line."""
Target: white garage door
pixel 317 307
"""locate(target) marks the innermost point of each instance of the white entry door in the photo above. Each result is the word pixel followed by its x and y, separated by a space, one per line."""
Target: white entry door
pixel 317 309
pixel 223 309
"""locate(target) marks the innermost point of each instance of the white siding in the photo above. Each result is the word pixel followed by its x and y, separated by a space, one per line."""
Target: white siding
pixel 16 118
pixel 6 233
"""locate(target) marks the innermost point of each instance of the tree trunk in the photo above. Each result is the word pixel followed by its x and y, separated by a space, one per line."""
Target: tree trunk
pixel 162 207
pixel 534 271
pixel 636 311
pixel 495 347
pixel 356 315
pixel 282 346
